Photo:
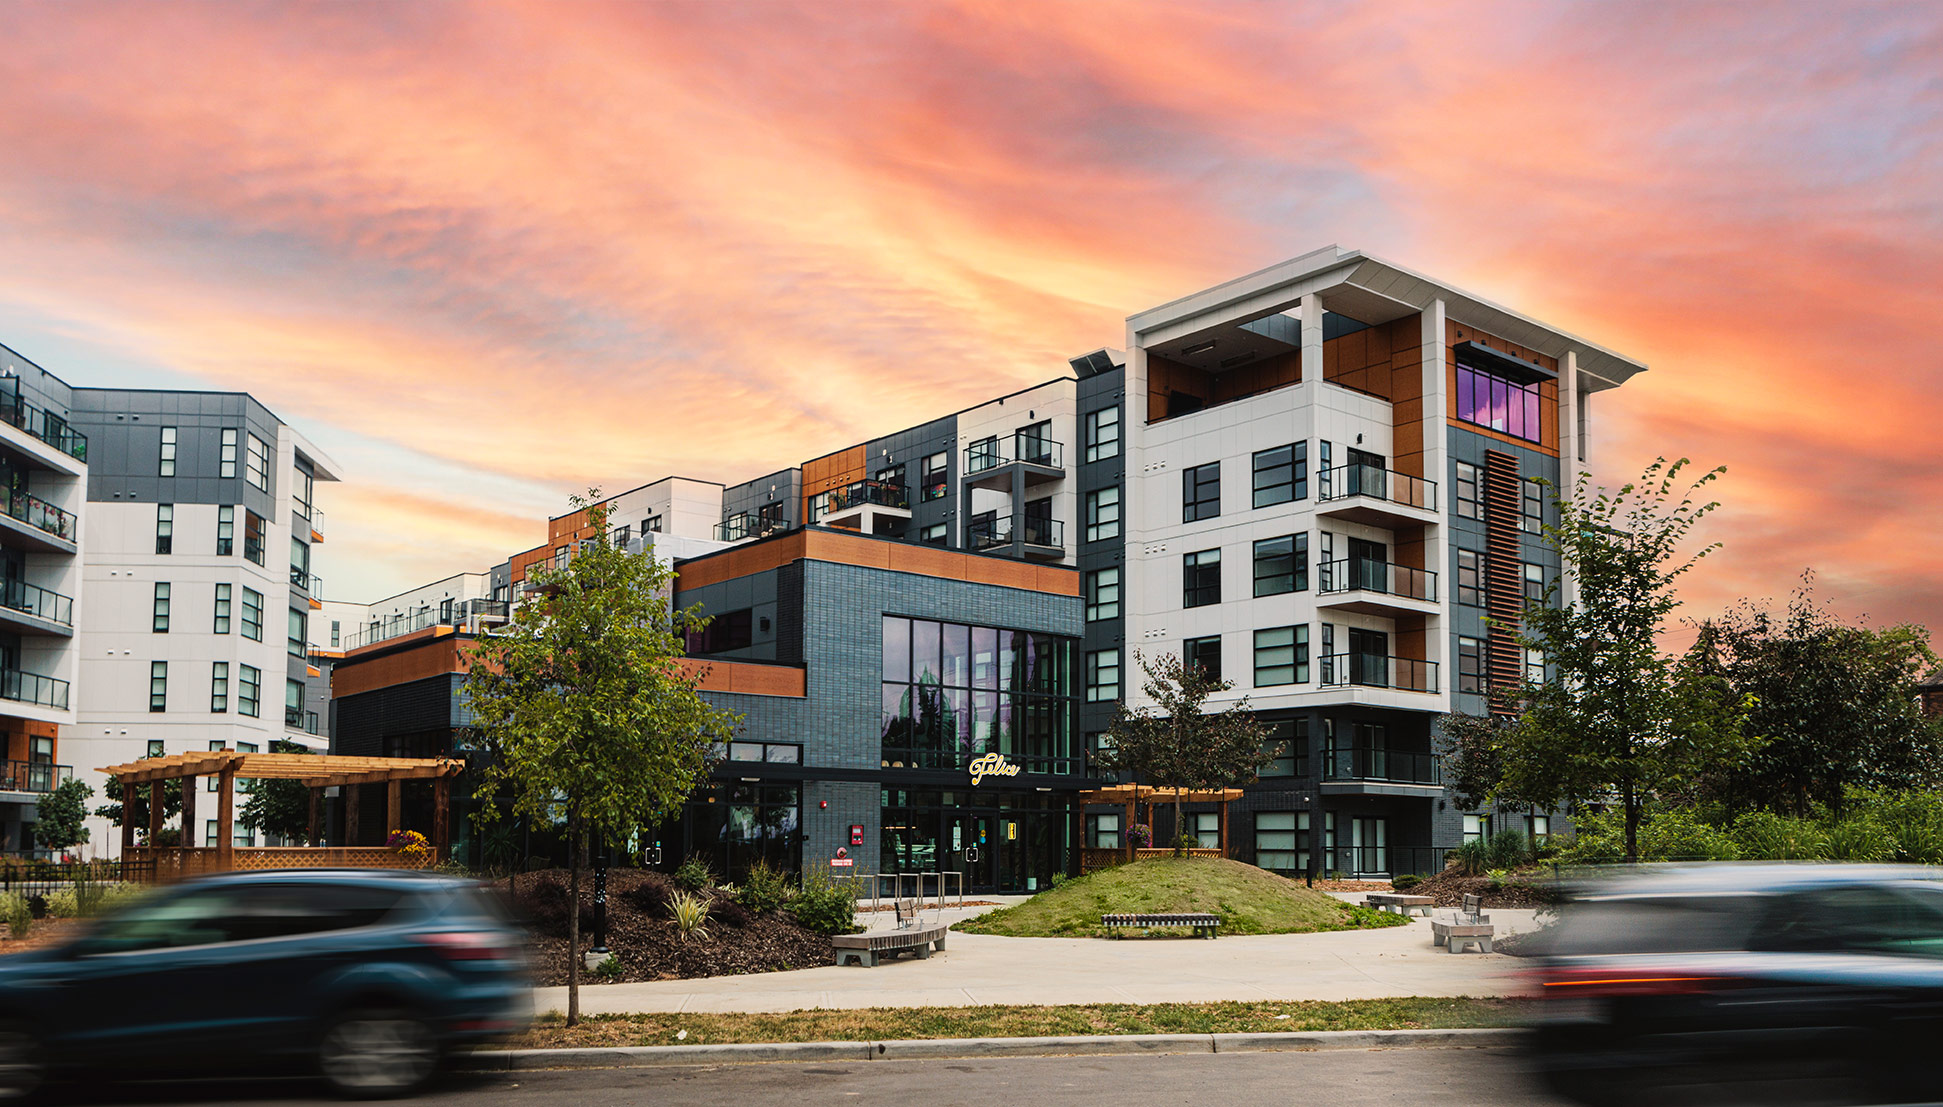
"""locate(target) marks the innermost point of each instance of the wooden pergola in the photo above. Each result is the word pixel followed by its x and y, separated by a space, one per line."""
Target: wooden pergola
pixel 1127 796
pixel 316 771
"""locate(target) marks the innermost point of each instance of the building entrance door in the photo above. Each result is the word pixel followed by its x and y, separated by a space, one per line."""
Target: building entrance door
pixel 972 851
pixel 1369 846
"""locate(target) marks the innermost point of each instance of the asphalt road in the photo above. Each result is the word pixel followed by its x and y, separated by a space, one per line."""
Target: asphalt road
pixel 1349 1078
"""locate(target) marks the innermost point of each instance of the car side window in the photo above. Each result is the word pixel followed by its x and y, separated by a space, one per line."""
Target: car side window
pixel 196 917
pixel 1860 919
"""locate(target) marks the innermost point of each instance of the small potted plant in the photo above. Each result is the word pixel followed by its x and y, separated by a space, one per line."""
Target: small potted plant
pixel 1141 835
pixel 409 844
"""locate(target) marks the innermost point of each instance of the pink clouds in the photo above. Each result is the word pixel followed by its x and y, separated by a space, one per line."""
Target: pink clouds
pixel 616 241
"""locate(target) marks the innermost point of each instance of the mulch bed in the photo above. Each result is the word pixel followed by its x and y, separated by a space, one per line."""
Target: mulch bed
pixel 1352 885
pixel 647 942
pixel 1530 889
pixel 45 932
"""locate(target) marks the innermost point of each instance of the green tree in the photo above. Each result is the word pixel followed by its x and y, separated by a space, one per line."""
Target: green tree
pixel 1837 704
pixel 1619 722
pixel 280 806
pixel 589 715
pixel 1176 744
pixel 63 816
pixel 1472 749
pixel 171 804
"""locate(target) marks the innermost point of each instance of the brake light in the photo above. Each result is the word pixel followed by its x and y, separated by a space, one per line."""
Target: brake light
pixel 1608 982
pixel 463 945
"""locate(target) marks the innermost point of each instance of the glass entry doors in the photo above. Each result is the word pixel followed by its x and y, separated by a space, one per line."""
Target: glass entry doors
pixel 997 848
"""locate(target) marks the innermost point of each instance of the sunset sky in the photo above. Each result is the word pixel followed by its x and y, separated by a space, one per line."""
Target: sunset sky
pixel 488 254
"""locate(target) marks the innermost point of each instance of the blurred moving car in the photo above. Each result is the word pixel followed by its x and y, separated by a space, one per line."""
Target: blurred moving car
pixel 1716 978
pixel 367 975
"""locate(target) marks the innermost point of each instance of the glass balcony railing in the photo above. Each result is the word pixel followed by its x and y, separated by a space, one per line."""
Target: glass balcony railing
pixel 990 453
pixel 1367 763
pixel 36 512
pixel 316 521
pixel 33 688
pixel 306 581
pixel 44 425
pixel 1343 481
pixel 989 533
pixel 33 776
pixel 33 600
pixel 1405 674
pixel 450 613
pixel 1354 574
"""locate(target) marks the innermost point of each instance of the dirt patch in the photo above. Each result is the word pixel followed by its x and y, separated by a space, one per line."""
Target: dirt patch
pixel 647 942
pixel 1353 885
pixel 1529 888
pixel 45 932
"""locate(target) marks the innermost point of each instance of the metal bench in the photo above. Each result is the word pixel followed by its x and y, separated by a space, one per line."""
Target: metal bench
pixel 866 949
pixel 1468 926
pixel 1203 925
pixel 1399 903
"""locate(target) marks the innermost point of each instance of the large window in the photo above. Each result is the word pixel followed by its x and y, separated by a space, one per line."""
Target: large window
pixel 933 483
pixel 1477 828
pixel 1103 831
pixel 1531 506
pixel 159 623
pixel 1201 492
pixel 1535 583
pixel 299 622
pixel 1282 474
pixel 219 687
pixel 1103 676
pixel 164 528
pixel 229 454
pixel 256 463
pixel 1282 841
pixel 302 487
pixel 1282 565
pixel 1282 655
pixel 222 608
pixel 1288 740
pixel 1103 594
pixel 293 703
pixel 253 537
pixel 1470 578
pixel 225 531
pixel 953 692
pixel 300 563
pixel 1103 514
pixel 1504 405
pixel 249 693
pixel 1465 487
pixel 1201 578
pixel 252 614
pixel 1470 665
pixel 725 633
pixel 1103 434
pixel 167 468
pixel 1203 654
pixel 158 686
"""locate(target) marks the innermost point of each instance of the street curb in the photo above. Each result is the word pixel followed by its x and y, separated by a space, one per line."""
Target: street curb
pixel 628 1057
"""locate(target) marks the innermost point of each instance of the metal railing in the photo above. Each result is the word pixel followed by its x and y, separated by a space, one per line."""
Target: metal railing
pixel 316 521
pixel 1405 674
pixel 393 627
pixel 1356 573
pixel 33 776
pixel 22 687
pixel 867 493
pixel 34 600
pixel 308 581
pixel 1385 860
pixel 36 512
pixel 743 525
pixel 44 425
pixel 990 533
pixel 1368 763
pixel 1343 481
pixel 990 453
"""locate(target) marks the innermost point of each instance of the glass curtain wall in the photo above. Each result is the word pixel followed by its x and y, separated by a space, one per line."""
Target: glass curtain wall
pixel 952 692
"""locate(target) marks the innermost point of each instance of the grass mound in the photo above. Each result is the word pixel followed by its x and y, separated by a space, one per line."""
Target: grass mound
pixel 1247 899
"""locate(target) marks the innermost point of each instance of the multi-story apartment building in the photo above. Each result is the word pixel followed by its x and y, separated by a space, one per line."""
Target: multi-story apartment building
pixel 1319 480
pixel 202 525
pixel 44 465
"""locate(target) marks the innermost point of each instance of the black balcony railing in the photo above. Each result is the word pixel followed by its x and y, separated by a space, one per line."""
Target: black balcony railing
pixel 34 600
pixel 1356 573
pixel 33 688
pixel 379 630
pixel 44 425
pixel 1386 860
pixel 1405 674
pixel 33 776
pixel 305 580
pixel 1343 481
pixel 742 525
pixel 867 493
pixel 36 512
pixel 1045 533
pixel 990 453
pixel 1368 763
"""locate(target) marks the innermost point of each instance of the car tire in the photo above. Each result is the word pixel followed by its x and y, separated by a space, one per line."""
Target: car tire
pixel 377 1053
pixel 23 1062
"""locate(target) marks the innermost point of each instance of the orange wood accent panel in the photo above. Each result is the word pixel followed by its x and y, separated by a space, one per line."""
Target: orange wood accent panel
pixel 873 553
pixel 1548 418
pixel 833 471
pixel 428 658
pixel 20 734
pixel 749 678
pixel 1165 377
pixel 1410 640
pixel 1408 547
pixel 521 562
pixel 1504 582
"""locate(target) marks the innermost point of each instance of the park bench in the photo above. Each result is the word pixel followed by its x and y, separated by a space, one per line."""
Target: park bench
pixel 1469 926
pixel 866 949
pixel 1203 925
pixel 1399 903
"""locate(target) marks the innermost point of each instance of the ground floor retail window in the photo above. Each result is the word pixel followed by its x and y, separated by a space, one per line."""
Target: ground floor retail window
pixel 733 826
pixel 999 841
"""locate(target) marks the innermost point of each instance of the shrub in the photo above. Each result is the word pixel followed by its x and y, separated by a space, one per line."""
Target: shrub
pixel 1471 858
pixel 1764 835
pixel 19 919
pixel 1860 838
pixel 1508 849
pixel 653 898
pixel 1406 881
pixel 691 915
pixel 1187 841
pixel 765 889
pixel 694 873
pixel 1058 879
pixel 1664 835
pixel 825 906
pixel 1912 820
pixel 608 971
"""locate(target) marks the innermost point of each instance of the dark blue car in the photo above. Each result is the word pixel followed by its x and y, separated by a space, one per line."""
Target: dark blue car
pixel 364 976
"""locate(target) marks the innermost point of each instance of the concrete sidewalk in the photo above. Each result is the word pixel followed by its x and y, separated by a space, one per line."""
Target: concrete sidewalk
pixel 978 969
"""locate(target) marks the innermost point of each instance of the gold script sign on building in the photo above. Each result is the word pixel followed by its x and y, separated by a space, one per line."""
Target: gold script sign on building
pixel 991 764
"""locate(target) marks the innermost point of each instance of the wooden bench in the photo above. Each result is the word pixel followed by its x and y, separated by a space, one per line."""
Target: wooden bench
pixel 1469 926
pixel 1204 925
pixel 865 949
pixel 1399 903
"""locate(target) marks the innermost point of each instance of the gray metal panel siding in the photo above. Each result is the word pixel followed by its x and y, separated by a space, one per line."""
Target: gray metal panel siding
pixel 785 487
pixel 1469 534
pixel 757 593
pixel 124 429
pixel 1102 390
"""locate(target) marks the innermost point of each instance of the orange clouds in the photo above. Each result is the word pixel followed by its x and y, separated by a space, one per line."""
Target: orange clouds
pixel 556 244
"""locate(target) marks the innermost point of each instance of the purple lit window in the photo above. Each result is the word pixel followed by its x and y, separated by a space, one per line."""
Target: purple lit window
pixel 1503 405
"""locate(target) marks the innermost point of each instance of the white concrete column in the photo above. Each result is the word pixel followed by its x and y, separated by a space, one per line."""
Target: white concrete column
pixel 1436 410
pixel 1311 339
pixel 1569 466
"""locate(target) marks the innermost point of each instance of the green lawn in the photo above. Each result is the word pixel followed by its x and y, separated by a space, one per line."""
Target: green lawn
pixel 908 1023
pixel 1248 900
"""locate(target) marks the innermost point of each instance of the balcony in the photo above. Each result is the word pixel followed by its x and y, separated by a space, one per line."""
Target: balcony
pixel 1376 588
pixel 32 688
pixel 1375 496
pixel 743 525
pixel 306 581
pixel 1373 771
pixel 990 462
pixel 1040 538
pixel 44 425
pixel 44 522
pixel 1363 670
pixel 33 776
pixel 18 598
pixel 296 718
pixel 858 505
pixel 316 520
